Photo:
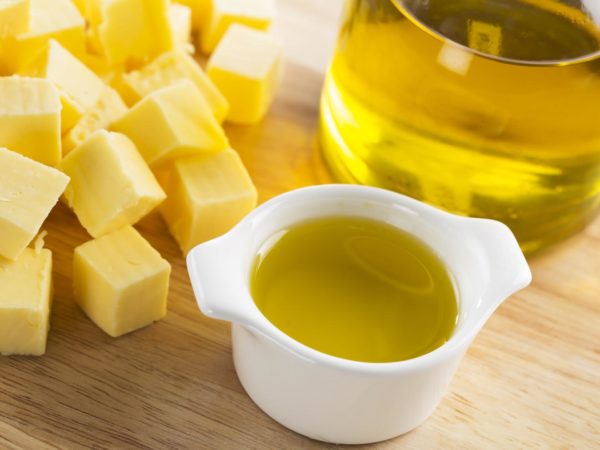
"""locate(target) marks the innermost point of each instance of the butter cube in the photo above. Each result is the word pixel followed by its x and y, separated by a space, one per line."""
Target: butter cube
pixel 100 66
pixel 253 13
pixel 81 6
pixel 200 11
pixel 111 185
pixel 167 69
pixel 121 282
pixel 109 108
pixel 79 87
pixel 14 17
pixel 93 46
pixel 206 196
pixel 246 68
pixel 91 10
pixel 25 300
pixel 30 118
pixel 171 123
pixel 28 191
pixel 49 19
pixel 180 19
pixel 131 31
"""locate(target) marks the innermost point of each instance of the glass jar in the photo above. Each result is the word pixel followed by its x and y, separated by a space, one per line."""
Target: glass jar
pixel 487 108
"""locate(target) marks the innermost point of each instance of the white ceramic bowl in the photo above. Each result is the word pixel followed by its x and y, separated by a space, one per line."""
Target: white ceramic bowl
pixel 333 399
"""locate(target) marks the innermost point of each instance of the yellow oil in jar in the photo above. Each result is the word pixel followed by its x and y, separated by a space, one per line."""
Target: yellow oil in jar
pixel 488 108
pixel 356 289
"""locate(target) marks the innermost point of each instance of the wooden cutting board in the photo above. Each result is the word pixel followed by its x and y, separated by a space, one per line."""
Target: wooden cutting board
pixel 531 378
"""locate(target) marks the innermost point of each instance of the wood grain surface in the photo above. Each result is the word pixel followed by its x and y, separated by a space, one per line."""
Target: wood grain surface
pixel 530 380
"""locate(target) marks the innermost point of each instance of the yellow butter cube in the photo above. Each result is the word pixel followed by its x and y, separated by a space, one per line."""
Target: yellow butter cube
pixel 28 192
pixel 80 5
pixel 79 87
pixel 253 13
pixel 180 19
pixel 109 108
pixel 200 11
pixel 93 46
pixel 111 185
pixel 121 282
pixel 91 10
pixel 206 196
pixel 171 123
pixel 14 17
pixel 132 31
pixel 100 66
pixel 30 118
pixel 49 19
pixel 246 67
pixel 164 71
pixel 25 301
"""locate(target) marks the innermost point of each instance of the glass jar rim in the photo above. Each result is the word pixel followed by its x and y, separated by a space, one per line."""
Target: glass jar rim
pixel 401 5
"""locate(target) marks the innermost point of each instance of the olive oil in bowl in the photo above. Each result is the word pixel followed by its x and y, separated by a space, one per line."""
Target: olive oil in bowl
pixel 355 288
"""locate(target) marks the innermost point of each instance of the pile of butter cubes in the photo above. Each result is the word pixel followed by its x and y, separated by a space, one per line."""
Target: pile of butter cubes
pixel 103 104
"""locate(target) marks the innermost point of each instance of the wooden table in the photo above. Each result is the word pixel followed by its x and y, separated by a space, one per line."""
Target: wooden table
pixel 531 378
